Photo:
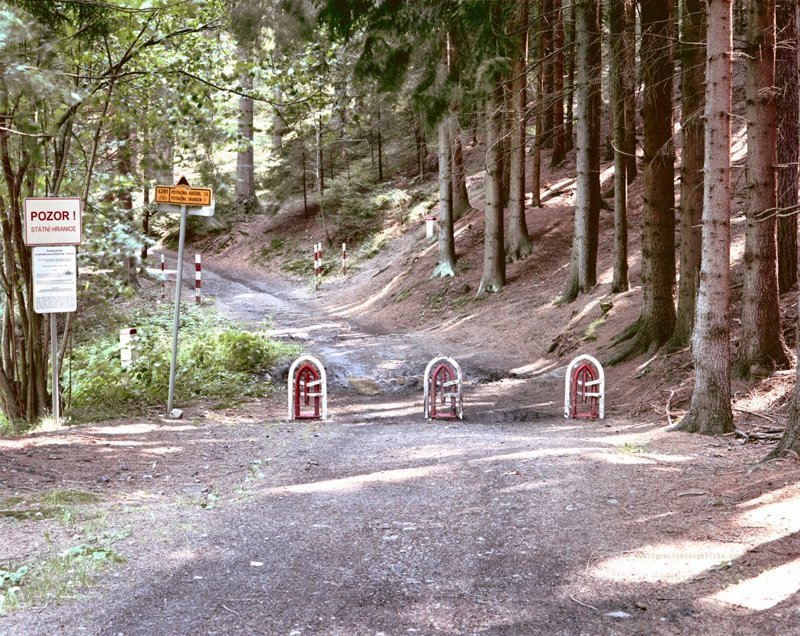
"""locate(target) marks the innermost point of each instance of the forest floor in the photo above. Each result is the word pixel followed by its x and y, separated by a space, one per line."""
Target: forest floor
pixel 513 521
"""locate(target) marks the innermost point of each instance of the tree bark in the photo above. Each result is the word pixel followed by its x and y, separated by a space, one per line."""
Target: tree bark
pixel 657 320
pixel 692 56
pixel 761 346
pixel 461 202
pixel 788 107
pixel 569 85
pixel 630 91
pixel 446 241
pixel 617 16
pixel 546 62
pixel 380 148
pixel 710 410
pixel 518 243
pixel 245 189
pixel 582 275
pixel 559 146
pixel 538 97
pixel 494 262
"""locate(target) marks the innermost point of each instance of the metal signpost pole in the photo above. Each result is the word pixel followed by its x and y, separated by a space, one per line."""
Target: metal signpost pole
pixel 179 277
pixel 54 357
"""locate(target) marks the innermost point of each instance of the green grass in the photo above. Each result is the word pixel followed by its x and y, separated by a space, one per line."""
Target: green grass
pixel 590 333
pixel 57 575
pixel 61 505
pixel 631 449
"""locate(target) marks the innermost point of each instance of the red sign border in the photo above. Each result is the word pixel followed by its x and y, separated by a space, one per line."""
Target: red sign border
pixel 26 238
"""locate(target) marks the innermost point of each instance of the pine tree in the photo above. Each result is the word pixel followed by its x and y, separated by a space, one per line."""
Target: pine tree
pixel 582 275
pixel 494 262
pixel 657 320
pixel 518 243
pixel 761 346
pixel 787 80
pixel 616 17
pixel 559 142
pixel 710 409
pixel 692 56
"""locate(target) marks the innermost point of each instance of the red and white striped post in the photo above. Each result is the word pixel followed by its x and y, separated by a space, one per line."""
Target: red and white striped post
pixel 198 278
pixel 163 280
pixel 317 265
pixel 344 258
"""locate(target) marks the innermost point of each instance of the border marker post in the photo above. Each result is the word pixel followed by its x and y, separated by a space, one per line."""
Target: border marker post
pixel 198 278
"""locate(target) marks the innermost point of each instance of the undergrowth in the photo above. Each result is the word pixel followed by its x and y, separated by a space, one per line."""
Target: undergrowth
pixel 216 359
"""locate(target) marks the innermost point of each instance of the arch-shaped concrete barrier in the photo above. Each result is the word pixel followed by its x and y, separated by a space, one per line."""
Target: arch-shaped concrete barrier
pixel 443 394
pixel 584 389
pixel 308 390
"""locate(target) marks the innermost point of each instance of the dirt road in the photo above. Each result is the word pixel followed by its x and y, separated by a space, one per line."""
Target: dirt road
pixel 514 521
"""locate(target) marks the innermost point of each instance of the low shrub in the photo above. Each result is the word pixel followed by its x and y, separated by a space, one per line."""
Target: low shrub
pixel 216 359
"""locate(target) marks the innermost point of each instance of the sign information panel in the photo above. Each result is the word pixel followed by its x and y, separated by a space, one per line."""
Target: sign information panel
pixel 53 221
pixel 183 195
pixel 55 279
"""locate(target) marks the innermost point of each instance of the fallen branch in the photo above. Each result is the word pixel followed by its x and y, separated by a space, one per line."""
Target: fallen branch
pixel 239 616
pixel 772 429
pixel 756 414
pixel 591 607
pixel 759 435
pixel 767 436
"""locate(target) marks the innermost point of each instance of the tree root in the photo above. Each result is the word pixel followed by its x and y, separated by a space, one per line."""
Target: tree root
pixel 443 270
pixel 641 338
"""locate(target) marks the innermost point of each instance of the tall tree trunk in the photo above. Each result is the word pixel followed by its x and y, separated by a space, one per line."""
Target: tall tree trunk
pixel 23 384
pixel 582 275
pixel 461 202
pixel 569 85
pixel 278 125
pixel 418 145
pixel 761 346
pixel 657 321
pixel 380 148
pixel 616 18
pixel 494 262
pixel 321 182
pixel 630 90
pixel 304 179
pixel 710 410
pixel 546 62
pixel 518 243
pixel 447 246
pixel 538 100
pixel 245 189
pixel 559 146
pixel 124 195
pixel 691 205
pixel 788 106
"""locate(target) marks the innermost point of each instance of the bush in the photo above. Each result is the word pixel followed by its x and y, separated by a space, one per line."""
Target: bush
pixel 216 359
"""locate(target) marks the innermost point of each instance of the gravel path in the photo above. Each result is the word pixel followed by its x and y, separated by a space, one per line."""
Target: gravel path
pixel 378 522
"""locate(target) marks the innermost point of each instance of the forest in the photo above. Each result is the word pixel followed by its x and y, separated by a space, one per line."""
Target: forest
pixel 266 100
pixel 506 185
